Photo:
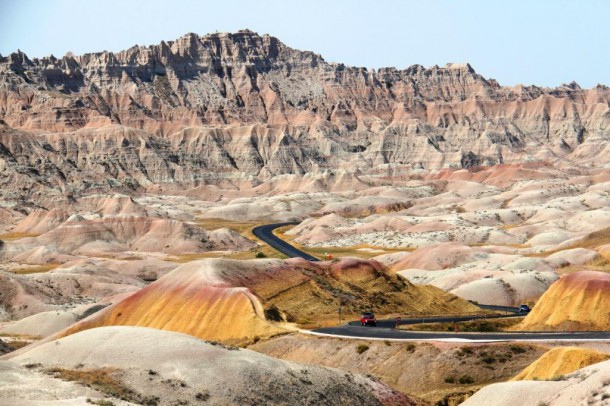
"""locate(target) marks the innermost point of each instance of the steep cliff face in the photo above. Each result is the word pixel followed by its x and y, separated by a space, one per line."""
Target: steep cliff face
pixel 242 106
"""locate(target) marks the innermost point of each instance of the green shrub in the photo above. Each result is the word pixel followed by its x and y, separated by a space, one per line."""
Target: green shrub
pixel 260 255
pixel 273 313
pixel 362 348
pixel 518 349
pixel 466 380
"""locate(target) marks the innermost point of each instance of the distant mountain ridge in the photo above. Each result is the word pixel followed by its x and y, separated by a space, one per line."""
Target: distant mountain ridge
pixel 230 105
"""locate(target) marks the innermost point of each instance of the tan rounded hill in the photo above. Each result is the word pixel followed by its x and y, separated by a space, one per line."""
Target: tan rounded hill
pixel 579 301
pixel 560 361
pixel 236 301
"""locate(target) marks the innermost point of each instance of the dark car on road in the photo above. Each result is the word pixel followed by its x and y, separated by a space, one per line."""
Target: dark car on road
pixel 368 319
pixel 524 309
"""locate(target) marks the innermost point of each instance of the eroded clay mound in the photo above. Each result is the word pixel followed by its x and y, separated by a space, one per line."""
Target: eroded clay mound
pixel 560 361
pixel 177 368
pixel 235 301
pixel 579 301
pixel 584 386
pixel 197 299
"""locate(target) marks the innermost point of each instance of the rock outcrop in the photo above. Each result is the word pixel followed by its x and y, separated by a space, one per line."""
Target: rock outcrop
pixel 556 363
pixel 237 109
pixel 148 366
pixel 579 301
pixel 235 301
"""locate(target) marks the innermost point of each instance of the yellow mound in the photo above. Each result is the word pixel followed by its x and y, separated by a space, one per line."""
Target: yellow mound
pixel 579 301
pixel 234 301
pixel 193 299
pixel 560 361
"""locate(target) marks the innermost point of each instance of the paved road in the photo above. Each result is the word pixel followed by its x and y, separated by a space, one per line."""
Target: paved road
pixel 389 333
pixel 391 323
pixel 385 328
pixel 265 233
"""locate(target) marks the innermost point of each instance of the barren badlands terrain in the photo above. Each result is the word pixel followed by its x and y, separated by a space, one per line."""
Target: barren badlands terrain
pixel 130 183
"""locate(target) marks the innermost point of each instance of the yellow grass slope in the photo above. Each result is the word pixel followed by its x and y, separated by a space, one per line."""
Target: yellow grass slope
pixel 560 361
pixel 579 301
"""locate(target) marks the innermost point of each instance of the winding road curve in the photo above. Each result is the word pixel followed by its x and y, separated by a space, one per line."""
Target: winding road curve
pixel 385 328
pixel 265 233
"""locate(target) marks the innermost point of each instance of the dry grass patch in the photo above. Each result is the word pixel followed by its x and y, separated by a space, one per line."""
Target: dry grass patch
pixel 35 269
pixel 105 380
pixel 485 325
pixel 16 236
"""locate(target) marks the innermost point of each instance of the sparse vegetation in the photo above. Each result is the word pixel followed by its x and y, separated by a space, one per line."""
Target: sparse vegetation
pixel 100 402
pixel 466 380
pixel 478 326
pixel 203 396
pixel 362 348
pixel 518 349
pixel 410 347
pixel 105 380
pixel 273 313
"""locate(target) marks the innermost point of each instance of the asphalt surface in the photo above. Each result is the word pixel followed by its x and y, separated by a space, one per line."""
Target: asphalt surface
pixel 389 333
pixel 265 233
pixel 385 328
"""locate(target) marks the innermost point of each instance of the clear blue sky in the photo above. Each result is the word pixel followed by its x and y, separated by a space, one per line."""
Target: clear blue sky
pixel 514 41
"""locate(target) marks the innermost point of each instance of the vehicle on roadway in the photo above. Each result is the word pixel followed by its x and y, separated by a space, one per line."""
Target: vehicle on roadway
pixel 368 319
pixel 524 309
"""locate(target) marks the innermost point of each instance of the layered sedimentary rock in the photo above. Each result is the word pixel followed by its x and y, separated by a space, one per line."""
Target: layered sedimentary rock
pixel 235 301
pixel 237 109
pixel 579 301
pixel 560 361
pixel 148 366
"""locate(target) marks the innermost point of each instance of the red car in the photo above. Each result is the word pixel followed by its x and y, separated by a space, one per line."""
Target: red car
pixel 368 319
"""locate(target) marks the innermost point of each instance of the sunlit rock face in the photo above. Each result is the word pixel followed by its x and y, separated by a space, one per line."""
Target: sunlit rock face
pixel 239 109
pixel 579 301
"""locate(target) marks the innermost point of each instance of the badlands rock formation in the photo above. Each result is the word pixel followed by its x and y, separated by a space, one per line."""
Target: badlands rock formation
pixel 580 301
pixel 148 366
pixel 561 361
pixel 423 369
pixel 236 301
pixel 233 110
pixel 586 386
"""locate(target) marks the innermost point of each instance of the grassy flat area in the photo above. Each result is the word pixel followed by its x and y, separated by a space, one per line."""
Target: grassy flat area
pixel 35 269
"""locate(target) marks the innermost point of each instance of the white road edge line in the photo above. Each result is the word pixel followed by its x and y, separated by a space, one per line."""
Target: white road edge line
pixel 455 340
